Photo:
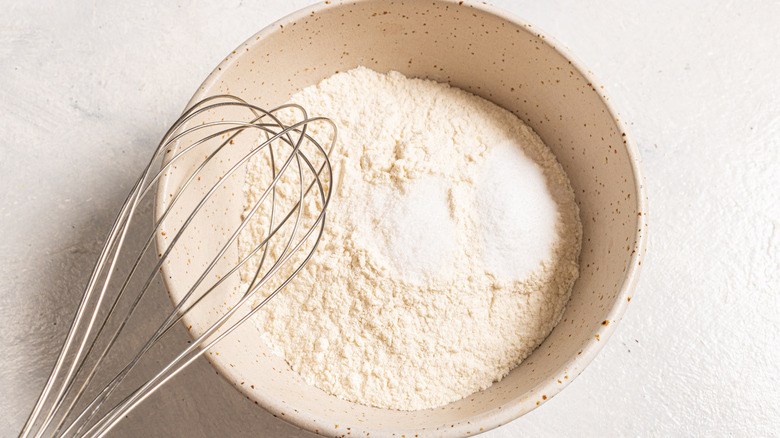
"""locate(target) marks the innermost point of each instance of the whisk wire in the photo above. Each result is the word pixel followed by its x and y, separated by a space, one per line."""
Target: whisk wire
pixel 170 323
pixel 211 192
pixel 136 195
pixel 123 288
pixel 170 371
pixel 92 303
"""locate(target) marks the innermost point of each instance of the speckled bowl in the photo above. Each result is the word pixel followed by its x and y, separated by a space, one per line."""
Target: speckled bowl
pixel 500 57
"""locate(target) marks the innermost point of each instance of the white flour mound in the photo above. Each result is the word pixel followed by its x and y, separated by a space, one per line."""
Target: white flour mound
pixel 450 248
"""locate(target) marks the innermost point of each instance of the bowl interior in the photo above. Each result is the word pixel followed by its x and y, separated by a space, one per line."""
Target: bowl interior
pixel 489 53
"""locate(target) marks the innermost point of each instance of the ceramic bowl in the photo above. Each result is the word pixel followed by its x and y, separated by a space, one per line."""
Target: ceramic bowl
pixel 491 53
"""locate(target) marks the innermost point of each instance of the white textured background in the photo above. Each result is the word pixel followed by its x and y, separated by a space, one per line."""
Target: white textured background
pixel 87 88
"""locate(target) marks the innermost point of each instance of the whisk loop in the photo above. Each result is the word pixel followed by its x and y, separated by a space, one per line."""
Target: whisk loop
pixel 78 400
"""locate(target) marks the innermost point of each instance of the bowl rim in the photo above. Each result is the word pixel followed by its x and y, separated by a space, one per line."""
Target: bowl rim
pixel 573 367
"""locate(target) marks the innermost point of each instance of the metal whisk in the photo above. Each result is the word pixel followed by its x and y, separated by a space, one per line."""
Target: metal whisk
pixel 88 392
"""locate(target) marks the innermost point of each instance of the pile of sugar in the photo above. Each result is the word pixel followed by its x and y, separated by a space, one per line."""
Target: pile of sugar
pixel 449 253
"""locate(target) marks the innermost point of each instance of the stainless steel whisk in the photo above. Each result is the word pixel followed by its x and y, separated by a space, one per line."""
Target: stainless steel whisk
pixel 79 398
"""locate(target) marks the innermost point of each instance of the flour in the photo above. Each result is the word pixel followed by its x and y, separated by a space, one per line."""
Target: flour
pixel 450 249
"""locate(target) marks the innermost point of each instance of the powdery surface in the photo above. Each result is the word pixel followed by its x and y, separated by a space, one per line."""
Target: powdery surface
pixel 450 249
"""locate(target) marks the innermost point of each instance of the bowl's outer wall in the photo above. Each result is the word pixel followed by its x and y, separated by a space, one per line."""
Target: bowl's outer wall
pixel 494 55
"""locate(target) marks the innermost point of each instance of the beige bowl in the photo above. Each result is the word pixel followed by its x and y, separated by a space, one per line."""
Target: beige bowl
pixel 493 54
